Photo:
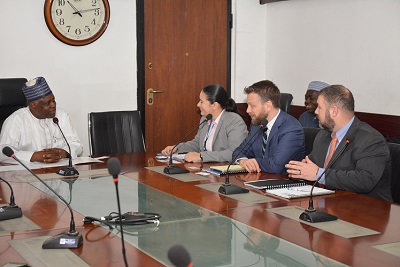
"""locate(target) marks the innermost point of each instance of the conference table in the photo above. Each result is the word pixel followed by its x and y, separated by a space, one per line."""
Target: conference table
pixel 253 229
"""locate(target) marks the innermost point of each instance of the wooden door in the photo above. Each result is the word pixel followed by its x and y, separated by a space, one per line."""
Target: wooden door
pixel 186 47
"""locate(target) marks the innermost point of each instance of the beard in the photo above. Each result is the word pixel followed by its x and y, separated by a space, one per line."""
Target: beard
pixel 328 123
pixel 257 120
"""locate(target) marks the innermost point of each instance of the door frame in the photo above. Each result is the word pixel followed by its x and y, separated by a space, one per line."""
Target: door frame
pixel 141 64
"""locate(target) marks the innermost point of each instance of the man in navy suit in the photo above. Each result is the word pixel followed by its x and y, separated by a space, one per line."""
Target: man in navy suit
pixel 280 141
pixel 363 167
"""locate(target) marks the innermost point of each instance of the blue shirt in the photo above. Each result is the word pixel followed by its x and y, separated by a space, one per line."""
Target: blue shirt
pixel 340 135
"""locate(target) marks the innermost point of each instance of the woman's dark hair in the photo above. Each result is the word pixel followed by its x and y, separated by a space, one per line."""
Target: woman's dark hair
pixel 217 93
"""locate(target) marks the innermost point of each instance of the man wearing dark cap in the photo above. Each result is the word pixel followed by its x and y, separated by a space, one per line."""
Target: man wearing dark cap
pixel 31 132
pixel 308 118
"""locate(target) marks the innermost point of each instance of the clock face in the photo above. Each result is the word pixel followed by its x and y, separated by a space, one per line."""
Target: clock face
pixel 77 22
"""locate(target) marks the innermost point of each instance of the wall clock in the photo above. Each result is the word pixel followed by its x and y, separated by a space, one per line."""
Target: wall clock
pixel 77 22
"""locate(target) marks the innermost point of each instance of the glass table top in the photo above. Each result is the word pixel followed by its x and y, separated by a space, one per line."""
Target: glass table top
pixel 210 238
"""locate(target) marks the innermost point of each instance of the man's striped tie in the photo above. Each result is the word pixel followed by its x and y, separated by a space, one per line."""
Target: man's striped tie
pixel 265 138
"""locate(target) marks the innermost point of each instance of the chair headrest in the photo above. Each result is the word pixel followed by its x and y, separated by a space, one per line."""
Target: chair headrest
pixel 11 92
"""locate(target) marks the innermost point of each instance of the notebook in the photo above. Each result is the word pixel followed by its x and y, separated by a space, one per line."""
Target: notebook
pixel 274 183
pixel 221 169
pixel 299 191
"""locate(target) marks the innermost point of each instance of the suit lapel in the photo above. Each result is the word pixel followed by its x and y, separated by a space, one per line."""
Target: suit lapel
pixel 352 130
pixel 276 126
pixel 203 132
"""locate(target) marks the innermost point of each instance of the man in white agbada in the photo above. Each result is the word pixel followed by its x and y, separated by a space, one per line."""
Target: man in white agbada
pixel 31 132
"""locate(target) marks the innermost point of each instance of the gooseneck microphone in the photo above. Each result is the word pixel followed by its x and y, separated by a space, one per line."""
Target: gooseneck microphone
pixel 311 214
pixel 171 169
pixel 70 170
pixel 11 211
pixel 179 256
pixel 229 189
pixel 71 239
pixel 114 168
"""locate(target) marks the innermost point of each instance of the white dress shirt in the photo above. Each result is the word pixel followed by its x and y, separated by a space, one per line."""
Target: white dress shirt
pixel 26 134
pixel 211 132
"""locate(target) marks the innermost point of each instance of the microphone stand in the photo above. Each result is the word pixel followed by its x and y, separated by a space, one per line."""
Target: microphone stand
pixel 12 211
pixel 71 239
pixel 70 170
pixel 311 214
pixel 229 189
pixel 114 168
pixel 172 169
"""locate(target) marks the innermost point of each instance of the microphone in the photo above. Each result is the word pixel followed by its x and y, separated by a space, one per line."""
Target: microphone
pixel 179 256
pixel 12 211
pixel 70 170
pixel 71 239
pixel 312 215
pixel 171 169
pixel 229 189
pixel 114 168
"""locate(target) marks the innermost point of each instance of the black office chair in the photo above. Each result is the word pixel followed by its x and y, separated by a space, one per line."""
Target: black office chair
pixel 309 136
pixel 11 97
pixel 286 102
pixel 115 132
pixel 395 183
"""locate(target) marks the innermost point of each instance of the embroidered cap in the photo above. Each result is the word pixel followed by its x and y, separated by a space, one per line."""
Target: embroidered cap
pixel 317 85
pixel 35 89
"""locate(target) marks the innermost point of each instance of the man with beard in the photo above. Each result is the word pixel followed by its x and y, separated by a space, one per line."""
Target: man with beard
pixel 281 140
pixel 308 118
pixel 31 132
pixel 364 166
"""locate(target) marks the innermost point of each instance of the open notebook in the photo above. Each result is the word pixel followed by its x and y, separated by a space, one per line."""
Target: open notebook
pixel 299 191
pixel 274 183
pixel 287 188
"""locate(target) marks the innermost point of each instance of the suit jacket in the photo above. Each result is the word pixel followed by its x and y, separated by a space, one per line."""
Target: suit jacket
pixel 364 167
pixel 308 119
pixel 285 142
pixel 230 132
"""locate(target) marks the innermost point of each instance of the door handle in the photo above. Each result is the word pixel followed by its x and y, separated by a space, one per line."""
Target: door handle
pixel 150 95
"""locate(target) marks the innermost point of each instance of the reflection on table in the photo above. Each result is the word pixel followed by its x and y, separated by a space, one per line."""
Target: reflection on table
pixel 216 229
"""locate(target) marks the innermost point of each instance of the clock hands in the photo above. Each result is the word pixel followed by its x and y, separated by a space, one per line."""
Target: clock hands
pixel 81 11
pixel 74 8
pixel 86 10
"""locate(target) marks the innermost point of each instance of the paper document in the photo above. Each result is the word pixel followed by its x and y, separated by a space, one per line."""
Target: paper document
pixel 38 165
pixel 299 191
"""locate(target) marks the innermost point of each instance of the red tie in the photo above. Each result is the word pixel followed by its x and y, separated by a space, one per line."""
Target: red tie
pixel 332 148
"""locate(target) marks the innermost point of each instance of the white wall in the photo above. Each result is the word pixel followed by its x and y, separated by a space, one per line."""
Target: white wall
pixel 353 42
pixel 97 77
pixel 248 45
